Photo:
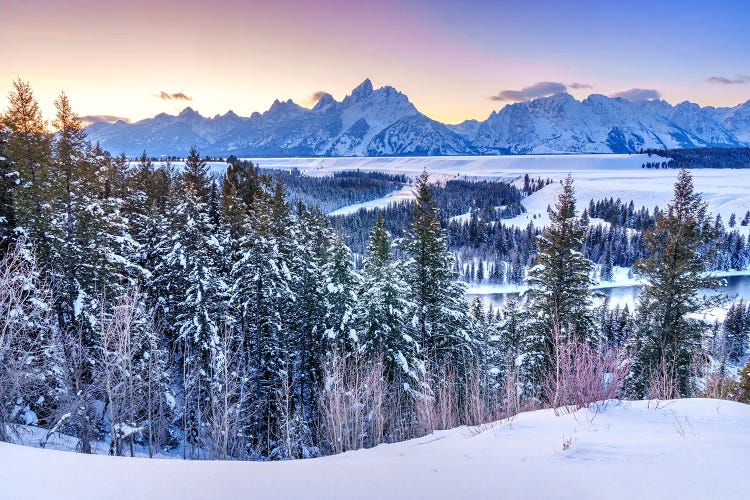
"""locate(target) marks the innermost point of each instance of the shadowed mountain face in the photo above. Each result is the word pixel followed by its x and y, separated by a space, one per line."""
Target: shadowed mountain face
pixel 383 122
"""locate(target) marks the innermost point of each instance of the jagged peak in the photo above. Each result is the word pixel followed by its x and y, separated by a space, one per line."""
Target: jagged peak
pixel 189 112
pixel 687 105
pixel 325 100
pixel 283 107
pixel 597 98
pixel 560 98
pixel 363 89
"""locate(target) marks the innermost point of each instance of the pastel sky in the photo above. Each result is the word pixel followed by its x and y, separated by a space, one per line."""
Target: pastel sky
pixel 454 59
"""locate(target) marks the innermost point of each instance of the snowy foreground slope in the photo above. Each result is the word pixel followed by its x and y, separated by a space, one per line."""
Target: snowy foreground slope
pixel 690 448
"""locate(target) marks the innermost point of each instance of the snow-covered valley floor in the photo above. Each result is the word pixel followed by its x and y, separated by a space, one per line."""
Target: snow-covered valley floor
pixel 596 177
pixel 690 448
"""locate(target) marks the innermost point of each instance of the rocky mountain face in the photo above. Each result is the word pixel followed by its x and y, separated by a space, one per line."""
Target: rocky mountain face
pixel 383 122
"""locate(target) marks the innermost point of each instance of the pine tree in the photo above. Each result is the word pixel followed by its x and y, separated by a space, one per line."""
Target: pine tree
pixel 340 293
pixel 736 328
pixel 605 274
pixel 506 335
pixel 669 336
pixel 7 186
pixel 193 279
pixel 261 295
pixel 439 318
pixel 71 174
pixel 28 152
pixel 382 309
pixel 560 290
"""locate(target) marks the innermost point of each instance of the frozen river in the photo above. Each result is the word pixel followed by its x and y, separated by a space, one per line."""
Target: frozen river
pixel 737 287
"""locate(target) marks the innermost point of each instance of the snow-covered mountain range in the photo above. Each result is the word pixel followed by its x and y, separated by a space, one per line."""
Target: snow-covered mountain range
pixel 383 122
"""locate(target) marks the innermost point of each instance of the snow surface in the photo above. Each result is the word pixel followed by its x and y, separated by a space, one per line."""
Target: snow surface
pixel 404 194
pixel 595 177
pixel 689 448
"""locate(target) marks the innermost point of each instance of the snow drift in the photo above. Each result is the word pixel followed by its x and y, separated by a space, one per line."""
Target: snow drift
pixel 689 448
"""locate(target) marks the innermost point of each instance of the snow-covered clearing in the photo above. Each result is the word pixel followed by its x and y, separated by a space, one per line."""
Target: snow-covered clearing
pixel 596 177
pixel 486 167
pixel 690 448
pixel 404 194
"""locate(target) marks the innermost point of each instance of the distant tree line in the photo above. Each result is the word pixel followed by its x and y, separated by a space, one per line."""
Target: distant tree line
pixel 700 158
pixel 338 190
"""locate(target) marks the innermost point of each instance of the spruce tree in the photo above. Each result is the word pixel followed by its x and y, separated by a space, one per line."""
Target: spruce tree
pixel 559 296
pixel 7 186
pixel 193 280
pixel 28 153
pixel 736 329
pixel 438 318
pixel 679 251
pixel 261 296
pixel 382 308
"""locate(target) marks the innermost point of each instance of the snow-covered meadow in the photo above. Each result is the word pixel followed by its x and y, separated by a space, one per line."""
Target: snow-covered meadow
pixel 689 448
pixel 596 177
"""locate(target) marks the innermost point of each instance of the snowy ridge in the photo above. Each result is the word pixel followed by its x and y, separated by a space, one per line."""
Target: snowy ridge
pixel 688 448
pixel 383 122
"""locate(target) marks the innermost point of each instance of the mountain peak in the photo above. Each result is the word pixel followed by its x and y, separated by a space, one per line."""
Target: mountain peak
pixel 188 111
pixel 560 98
pixel 280 105
pixel 363 89
pixel 282 110
pixel 325 100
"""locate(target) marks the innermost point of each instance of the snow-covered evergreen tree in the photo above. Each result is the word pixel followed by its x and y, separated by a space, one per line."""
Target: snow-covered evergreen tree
pixel 28 154
pixel 438 318
pixel 736 329
pixel 261 296
pixel 559 297
pixel 382 308
pixel 197 289
pixel 669 335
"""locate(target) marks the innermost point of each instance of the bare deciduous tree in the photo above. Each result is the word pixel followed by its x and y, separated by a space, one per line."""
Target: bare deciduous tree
pixel 26 328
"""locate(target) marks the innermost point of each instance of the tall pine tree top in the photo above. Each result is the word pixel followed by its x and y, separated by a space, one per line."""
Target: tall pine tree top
pixel 379 247
pixel 195 176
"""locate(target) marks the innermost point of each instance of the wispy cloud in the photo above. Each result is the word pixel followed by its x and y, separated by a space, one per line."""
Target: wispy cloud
pixel 89 119
pixel 176 96
pixel 537 90
pixel 576 86
pixel 638 95
pixel 316 96
pixel 728 81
